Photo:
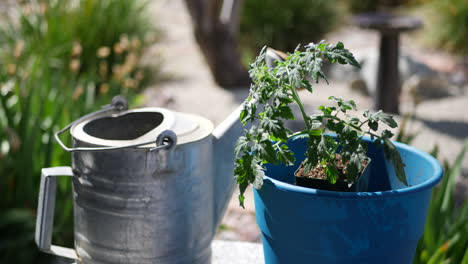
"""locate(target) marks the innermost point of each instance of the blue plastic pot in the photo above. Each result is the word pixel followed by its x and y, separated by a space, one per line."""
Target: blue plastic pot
pixel 302 225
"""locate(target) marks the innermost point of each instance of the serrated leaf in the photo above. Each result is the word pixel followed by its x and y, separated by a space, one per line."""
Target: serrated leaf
pixel 374 125
pixel 295 78
pixel 308 167
pixel 352 104
pixel 316 70
pixel 285 112
pixel 257 183
pixel 388 119
pixel 241 197
pixel 354 167
pixel 332 173
pixel 241 145
pixel 387 133
pixel 341 55
pixel 366 113
pixel 284 155
pixel 322 45
pixel 266 151
pixel 243 115
pixel 354 120
pixel 270 125
pixel 307 86
pixel 322 146
pixel 391 153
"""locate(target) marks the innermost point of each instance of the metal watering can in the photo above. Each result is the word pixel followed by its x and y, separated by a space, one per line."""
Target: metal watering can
pixel 149 185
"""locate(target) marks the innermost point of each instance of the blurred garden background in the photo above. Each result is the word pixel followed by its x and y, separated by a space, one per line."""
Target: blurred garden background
pixel 62 59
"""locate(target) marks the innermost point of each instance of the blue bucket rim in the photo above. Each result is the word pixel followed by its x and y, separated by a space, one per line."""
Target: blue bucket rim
pixel 428 184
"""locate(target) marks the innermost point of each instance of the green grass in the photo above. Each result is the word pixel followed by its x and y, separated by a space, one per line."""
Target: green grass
pixel 445 238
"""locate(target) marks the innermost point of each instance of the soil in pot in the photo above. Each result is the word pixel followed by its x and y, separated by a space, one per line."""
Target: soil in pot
pixel 317 178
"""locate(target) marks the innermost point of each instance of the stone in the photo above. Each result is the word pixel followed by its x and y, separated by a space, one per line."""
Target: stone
pixel 429 87
pixel 359 86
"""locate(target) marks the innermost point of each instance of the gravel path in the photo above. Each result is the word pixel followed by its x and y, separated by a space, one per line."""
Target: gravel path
pixel 190 88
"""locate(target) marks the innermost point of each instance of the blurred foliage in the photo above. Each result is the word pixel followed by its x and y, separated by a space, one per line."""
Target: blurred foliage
pixel 447 24
pixel 282 25
pixel 58 61
pixel 445 238
pixel 100 39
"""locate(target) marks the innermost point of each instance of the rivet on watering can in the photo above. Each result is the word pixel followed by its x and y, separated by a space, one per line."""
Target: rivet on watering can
pixel 166 140
pixel 119 103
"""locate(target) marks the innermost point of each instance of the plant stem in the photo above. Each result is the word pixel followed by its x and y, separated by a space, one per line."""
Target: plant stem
pixel 301 107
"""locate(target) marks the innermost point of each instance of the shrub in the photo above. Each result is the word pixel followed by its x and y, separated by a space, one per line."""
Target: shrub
pixel 32 107
pixel 58 61
pixel 282 25
pixel 101 40
pixel 447 22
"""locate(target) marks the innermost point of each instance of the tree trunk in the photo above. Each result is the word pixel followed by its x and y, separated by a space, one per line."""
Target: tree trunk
pixel 215 24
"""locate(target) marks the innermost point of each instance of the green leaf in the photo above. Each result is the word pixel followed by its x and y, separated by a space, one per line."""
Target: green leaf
pixel 274 127
pixel 243 116
pixel 266 151
pixel 285 112
pixel 354 121
pixel 332 173
pixel 284 155
pixel 387 133
pixel 392 154
pixel 374 125
pixel 306 84
pixel 354 167
pixel 316 71
pixel 384 117
pixel 341 55
pixel 242 145
pixel 315 132
pixel 241 198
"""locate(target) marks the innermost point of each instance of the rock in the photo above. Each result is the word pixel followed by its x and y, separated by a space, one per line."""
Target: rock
pixel 359 86
pixel 417 78
pixel 460 79
pixel 410 67
pixel 428 87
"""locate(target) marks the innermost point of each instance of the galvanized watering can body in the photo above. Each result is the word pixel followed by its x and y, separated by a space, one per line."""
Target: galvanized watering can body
pixel 147 203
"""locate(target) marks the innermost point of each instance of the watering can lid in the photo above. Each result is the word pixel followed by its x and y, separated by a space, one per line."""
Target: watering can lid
pixel 140 125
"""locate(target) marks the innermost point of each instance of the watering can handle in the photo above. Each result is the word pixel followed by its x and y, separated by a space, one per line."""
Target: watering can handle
pixel 166 140
pixel 45 212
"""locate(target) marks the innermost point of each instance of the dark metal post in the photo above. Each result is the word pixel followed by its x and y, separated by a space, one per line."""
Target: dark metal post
pixel 388 85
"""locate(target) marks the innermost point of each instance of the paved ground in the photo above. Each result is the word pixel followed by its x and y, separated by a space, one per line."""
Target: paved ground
pixel 190 88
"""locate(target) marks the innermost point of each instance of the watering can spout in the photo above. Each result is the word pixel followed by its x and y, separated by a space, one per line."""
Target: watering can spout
pixel 225 137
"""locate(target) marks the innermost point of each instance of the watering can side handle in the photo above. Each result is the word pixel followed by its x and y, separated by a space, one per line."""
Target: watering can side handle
pixel 225 136
pixel 45 212
pixel 227 123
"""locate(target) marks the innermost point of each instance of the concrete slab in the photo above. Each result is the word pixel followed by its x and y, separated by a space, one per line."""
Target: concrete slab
pixel 236 252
